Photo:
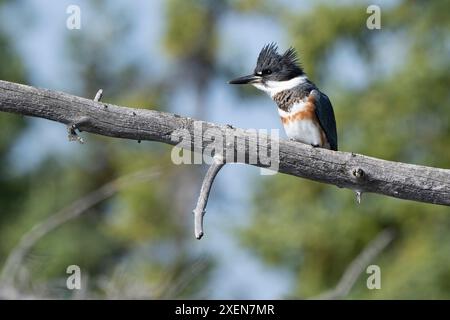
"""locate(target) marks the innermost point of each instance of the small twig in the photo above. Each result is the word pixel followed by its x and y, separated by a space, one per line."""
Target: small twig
pixel 80 206
pixel 359 175
pixel 98 95
pixel 358 265
pixel 202 201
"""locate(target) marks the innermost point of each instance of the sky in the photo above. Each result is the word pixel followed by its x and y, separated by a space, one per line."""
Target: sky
pixel 39 36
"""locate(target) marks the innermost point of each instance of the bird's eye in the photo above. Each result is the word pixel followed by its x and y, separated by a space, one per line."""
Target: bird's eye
pixel 266 71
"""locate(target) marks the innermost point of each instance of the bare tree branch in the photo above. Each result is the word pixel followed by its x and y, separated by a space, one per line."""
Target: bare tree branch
pixel 343 169
pixel 358 265
pixel 202 201
pixel 29 239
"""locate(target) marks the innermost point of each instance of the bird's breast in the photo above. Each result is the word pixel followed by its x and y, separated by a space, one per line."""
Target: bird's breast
pixel 301 124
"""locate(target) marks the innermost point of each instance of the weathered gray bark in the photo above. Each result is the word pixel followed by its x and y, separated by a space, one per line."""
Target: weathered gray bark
pixel 343 169
pixel 200 208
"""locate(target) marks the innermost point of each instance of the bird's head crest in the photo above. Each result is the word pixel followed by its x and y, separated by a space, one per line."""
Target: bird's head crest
pixel 278 67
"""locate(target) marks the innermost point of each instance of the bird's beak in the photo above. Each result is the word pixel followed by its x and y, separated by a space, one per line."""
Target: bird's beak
pixel 246 79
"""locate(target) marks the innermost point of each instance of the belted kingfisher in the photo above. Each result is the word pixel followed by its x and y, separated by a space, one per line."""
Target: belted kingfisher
pixel 306 113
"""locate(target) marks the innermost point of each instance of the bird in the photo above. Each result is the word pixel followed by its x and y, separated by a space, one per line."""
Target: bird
pixel 306 113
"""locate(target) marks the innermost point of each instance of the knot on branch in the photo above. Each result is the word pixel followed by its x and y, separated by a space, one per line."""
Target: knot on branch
pixel 72 134
pixel 358 173
pixel 72 128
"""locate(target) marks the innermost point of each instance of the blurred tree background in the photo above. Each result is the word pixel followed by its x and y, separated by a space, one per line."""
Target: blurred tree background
pixel 138 243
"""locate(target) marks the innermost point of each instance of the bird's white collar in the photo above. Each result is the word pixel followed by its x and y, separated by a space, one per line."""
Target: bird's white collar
pixel 274 87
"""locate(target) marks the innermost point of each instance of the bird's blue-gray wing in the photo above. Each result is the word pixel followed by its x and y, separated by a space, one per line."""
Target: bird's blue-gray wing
pixel 325 115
